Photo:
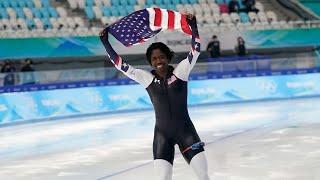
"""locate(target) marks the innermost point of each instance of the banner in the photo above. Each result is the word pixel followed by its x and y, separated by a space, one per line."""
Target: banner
pixel 26 106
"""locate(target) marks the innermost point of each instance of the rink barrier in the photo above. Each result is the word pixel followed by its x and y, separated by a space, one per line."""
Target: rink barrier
pixel 113 82
pixel 77 102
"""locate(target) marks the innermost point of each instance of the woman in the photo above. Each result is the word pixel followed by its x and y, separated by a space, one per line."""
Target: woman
pixel 167 88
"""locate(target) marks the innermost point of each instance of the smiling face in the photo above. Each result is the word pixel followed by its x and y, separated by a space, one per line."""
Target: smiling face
pixel 159 60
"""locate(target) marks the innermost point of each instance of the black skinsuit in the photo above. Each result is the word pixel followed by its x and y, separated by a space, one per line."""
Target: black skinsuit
pixel 173 124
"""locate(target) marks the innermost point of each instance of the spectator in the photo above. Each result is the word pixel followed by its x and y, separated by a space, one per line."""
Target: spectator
pixel 234 6
pixel 250 6
pixel 9 70
pixel 214 47
pixel 241 47
pixel 27 72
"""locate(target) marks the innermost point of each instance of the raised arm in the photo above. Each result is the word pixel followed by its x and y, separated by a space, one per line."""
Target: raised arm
pixel 184 68
pixel 141 76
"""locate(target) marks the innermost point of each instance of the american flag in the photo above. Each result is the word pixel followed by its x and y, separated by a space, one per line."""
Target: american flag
pixel 141 25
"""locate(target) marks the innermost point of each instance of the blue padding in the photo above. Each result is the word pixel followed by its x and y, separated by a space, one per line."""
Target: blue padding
pixel 89 12
pixel 193 1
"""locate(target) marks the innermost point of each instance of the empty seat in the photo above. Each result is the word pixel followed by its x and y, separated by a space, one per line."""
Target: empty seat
pixel 271 16
pixel 253 17
pixel 61 12
pixel 262 17
pixel 28 13
pixel 73 4
pixel 235 17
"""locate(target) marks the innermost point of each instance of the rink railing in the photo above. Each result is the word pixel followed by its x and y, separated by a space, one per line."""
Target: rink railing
pixel 218 69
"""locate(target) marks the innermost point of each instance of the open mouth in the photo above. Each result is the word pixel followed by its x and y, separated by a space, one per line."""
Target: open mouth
pixel 159 66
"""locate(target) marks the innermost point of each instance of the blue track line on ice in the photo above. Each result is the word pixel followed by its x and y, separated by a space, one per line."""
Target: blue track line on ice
pixel 178 154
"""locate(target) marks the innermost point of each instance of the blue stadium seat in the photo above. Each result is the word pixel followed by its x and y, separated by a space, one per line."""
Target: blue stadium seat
pixel 244 17
pixel 44 13
pixel 5 4
pixel 19 12
pixel 184 2
pixel 220 2
pixel 193 1
pixel 45 3
pixel 166 2
pixel 175 2
pixel 89 12
pixel 129 9
pixel 162 6
pixel 4 14
pixel 30 24
pixel 242 6
pixel 132 2
pixel 36 13
pixel 89 3
pixel 171 7
pixel 122 10
pixel 114 11
pixel 158 2
pixel 46 23
pixel 115 3
pixel 30 4
pixel 53 12
pixel 227 1
pixel 124 2
pixel 22 4
pixel 149 2
pixel 106 11
pixel 13 3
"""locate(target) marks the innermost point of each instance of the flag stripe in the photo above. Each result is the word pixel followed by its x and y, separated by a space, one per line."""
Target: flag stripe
pixel 164 20
pixel 177 22
pixel 184 25
pixel 158 17
pixel 171 19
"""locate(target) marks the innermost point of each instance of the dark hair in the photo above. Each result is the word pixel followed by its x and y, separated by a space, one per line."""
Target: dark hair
pixel 163 48
pixel 214 36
